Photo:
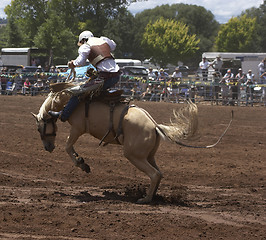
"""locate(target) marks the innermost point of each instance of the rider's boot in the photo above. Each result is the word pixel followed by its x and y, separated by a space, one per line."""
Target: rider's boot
pixel 67 111
pixel 55 114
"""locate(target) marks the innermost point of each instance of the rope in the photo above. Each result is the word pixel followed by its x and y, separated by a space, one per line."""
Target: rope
pixel 212 145
pixel 73 71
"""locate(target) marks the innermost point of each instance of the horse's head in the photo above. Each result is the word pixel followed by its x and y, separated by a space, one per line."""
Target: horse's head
pixel 47 129
pixel 45 123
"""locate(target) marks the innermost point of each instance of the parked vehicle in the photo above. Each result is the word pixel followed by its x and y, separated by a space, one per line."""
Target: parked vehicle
pixel 184 70
pixel 31 69
pixel 135 71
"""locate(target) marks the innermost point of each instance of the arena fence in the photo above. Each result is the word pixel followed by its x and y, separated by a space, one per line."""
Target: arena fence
pixel 139 88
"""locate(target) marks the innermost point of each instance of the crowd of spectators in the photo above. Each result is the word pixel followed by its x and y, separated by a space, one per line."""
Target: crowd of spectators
pixel 231 88
pixel 27 81
pixel 160 85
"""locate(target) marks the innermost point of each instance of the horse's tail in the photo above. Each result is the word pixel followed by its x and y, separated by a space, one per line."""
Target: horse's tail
pixel 184 126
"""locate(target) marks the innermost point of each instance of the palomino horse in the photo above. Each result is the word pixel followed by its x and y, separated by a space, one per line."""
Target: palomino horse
pixel 140 133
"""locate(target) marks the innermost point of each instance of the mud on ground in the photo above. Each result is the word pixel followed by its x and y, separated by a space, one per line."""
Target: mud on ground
pixel 216 193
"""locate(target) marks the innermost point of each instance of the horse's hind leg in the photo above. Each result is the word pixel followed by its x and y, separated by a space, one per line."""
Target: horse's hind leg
pixel 78 161
pixel 151 158
pixel 153 173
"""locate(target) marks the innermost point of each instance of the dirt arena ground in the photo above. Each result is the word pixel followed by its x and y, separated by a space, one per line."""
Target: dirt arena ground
pixel 216 193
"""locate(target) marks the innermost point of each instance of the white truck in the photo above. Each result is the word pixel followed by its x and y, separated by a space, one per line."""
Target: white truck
pixel 24 57
pixel 248 61
pixel 16 56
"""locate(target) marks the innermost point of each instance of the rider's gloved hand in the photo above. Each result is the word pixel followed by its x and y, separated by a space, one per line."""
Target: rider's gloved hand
pixel 71 65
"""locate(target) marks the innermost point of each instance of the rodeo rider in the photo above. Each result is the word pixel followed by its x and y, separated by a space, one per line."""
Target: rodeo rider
pixel 98 52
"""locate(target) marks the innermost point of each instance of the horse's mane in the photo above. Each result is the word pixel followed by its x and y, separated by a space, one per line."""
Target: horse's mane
pixel 46 106
pixel 54 101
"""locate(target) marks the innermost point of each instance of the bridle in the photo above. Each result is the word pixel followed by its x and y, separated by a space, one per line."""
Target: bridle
pixel 42 130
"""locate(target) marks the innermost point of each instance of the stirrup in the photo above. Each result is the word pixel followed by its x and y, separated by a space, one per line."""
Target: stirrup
pixel 54 114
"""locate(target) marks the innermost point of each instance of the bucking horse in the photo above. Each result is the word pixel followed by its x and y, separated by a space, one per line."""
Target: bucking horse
pixel 119 123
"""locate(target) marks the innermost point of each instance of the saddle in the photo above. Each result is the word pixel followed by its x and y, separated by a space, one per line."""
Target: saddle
pixel 111 98
pixel 114 96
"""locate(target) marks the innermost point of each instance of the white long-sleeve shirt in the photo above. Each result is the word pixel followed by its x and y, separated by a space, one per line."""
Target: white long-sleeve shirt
pixel 107 65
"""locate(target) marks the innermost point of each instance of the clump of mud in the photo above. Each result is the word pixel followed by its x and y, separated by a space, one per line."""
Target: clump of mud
pixel 135 192
pixel 176 195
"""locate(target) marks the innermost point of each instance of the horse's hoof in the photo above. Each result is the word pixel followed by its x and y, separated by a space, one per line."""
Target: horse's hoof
pixel 144 200
pixel 86 168
pixel 80 160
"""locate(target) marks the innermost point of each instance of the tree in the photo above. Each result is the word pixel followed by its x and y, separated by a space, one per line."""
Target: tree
pixel 14 38
pixel 168 41
pixel 198 20
pixel 28 15
pixel 36 24
pixel 120 29
pixel 54 36
pixel 3 37
pixel 260 15
pixel 238 35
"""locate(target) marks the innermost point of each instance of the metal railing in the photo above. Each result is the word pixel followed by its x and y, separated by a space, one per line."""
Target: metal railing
pixel 196 89
pixel 169 90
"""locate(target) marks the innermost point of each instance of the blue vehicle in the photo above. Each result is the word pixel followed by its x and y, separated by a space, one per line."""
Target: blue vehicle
pixel 80 73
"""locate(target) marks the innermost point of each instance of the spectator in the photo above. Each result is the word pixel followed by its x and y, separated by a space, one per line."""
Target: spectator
pixel 3 80
pixel 262 66
pixel 17 83
pixel 241 79
pixel 52 69
pixel 151 75
pixel 216 88
pixel 135 92
pixel 163 76
pixel 249 88
pixel 234 87
pixel 241 76
pixel 156 91
pixel 175 80
pixel 156 77
pixel 192 92
pixel 225 86
pixel 204 66
pixel 9 86
pixel 177 74
pixel 262 70
pixel 37 87
pixel 26 87
pixel 217 64
pixel 39 69
pixel 263 80
pixel 148 93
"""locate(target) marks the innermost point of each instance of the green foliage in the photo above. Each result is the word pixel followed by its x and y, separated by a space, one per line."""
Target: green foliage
pixel 34 22
pixel 54 35
pixel 260 15
pixel 168 41
pixel 56 24
pixel 3 37
pixel 28 15
pixel 121 30
pixel 198 20
pixel 14 34
pixel 238 35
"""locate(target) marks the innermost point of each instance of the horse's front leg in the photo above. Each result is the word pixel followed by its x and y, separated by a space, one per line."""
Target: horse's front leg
pixel 78 161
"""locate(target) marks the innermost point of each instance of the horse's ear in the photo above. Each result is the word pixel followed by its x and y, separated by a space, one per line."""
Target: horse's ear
pixel 34 115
